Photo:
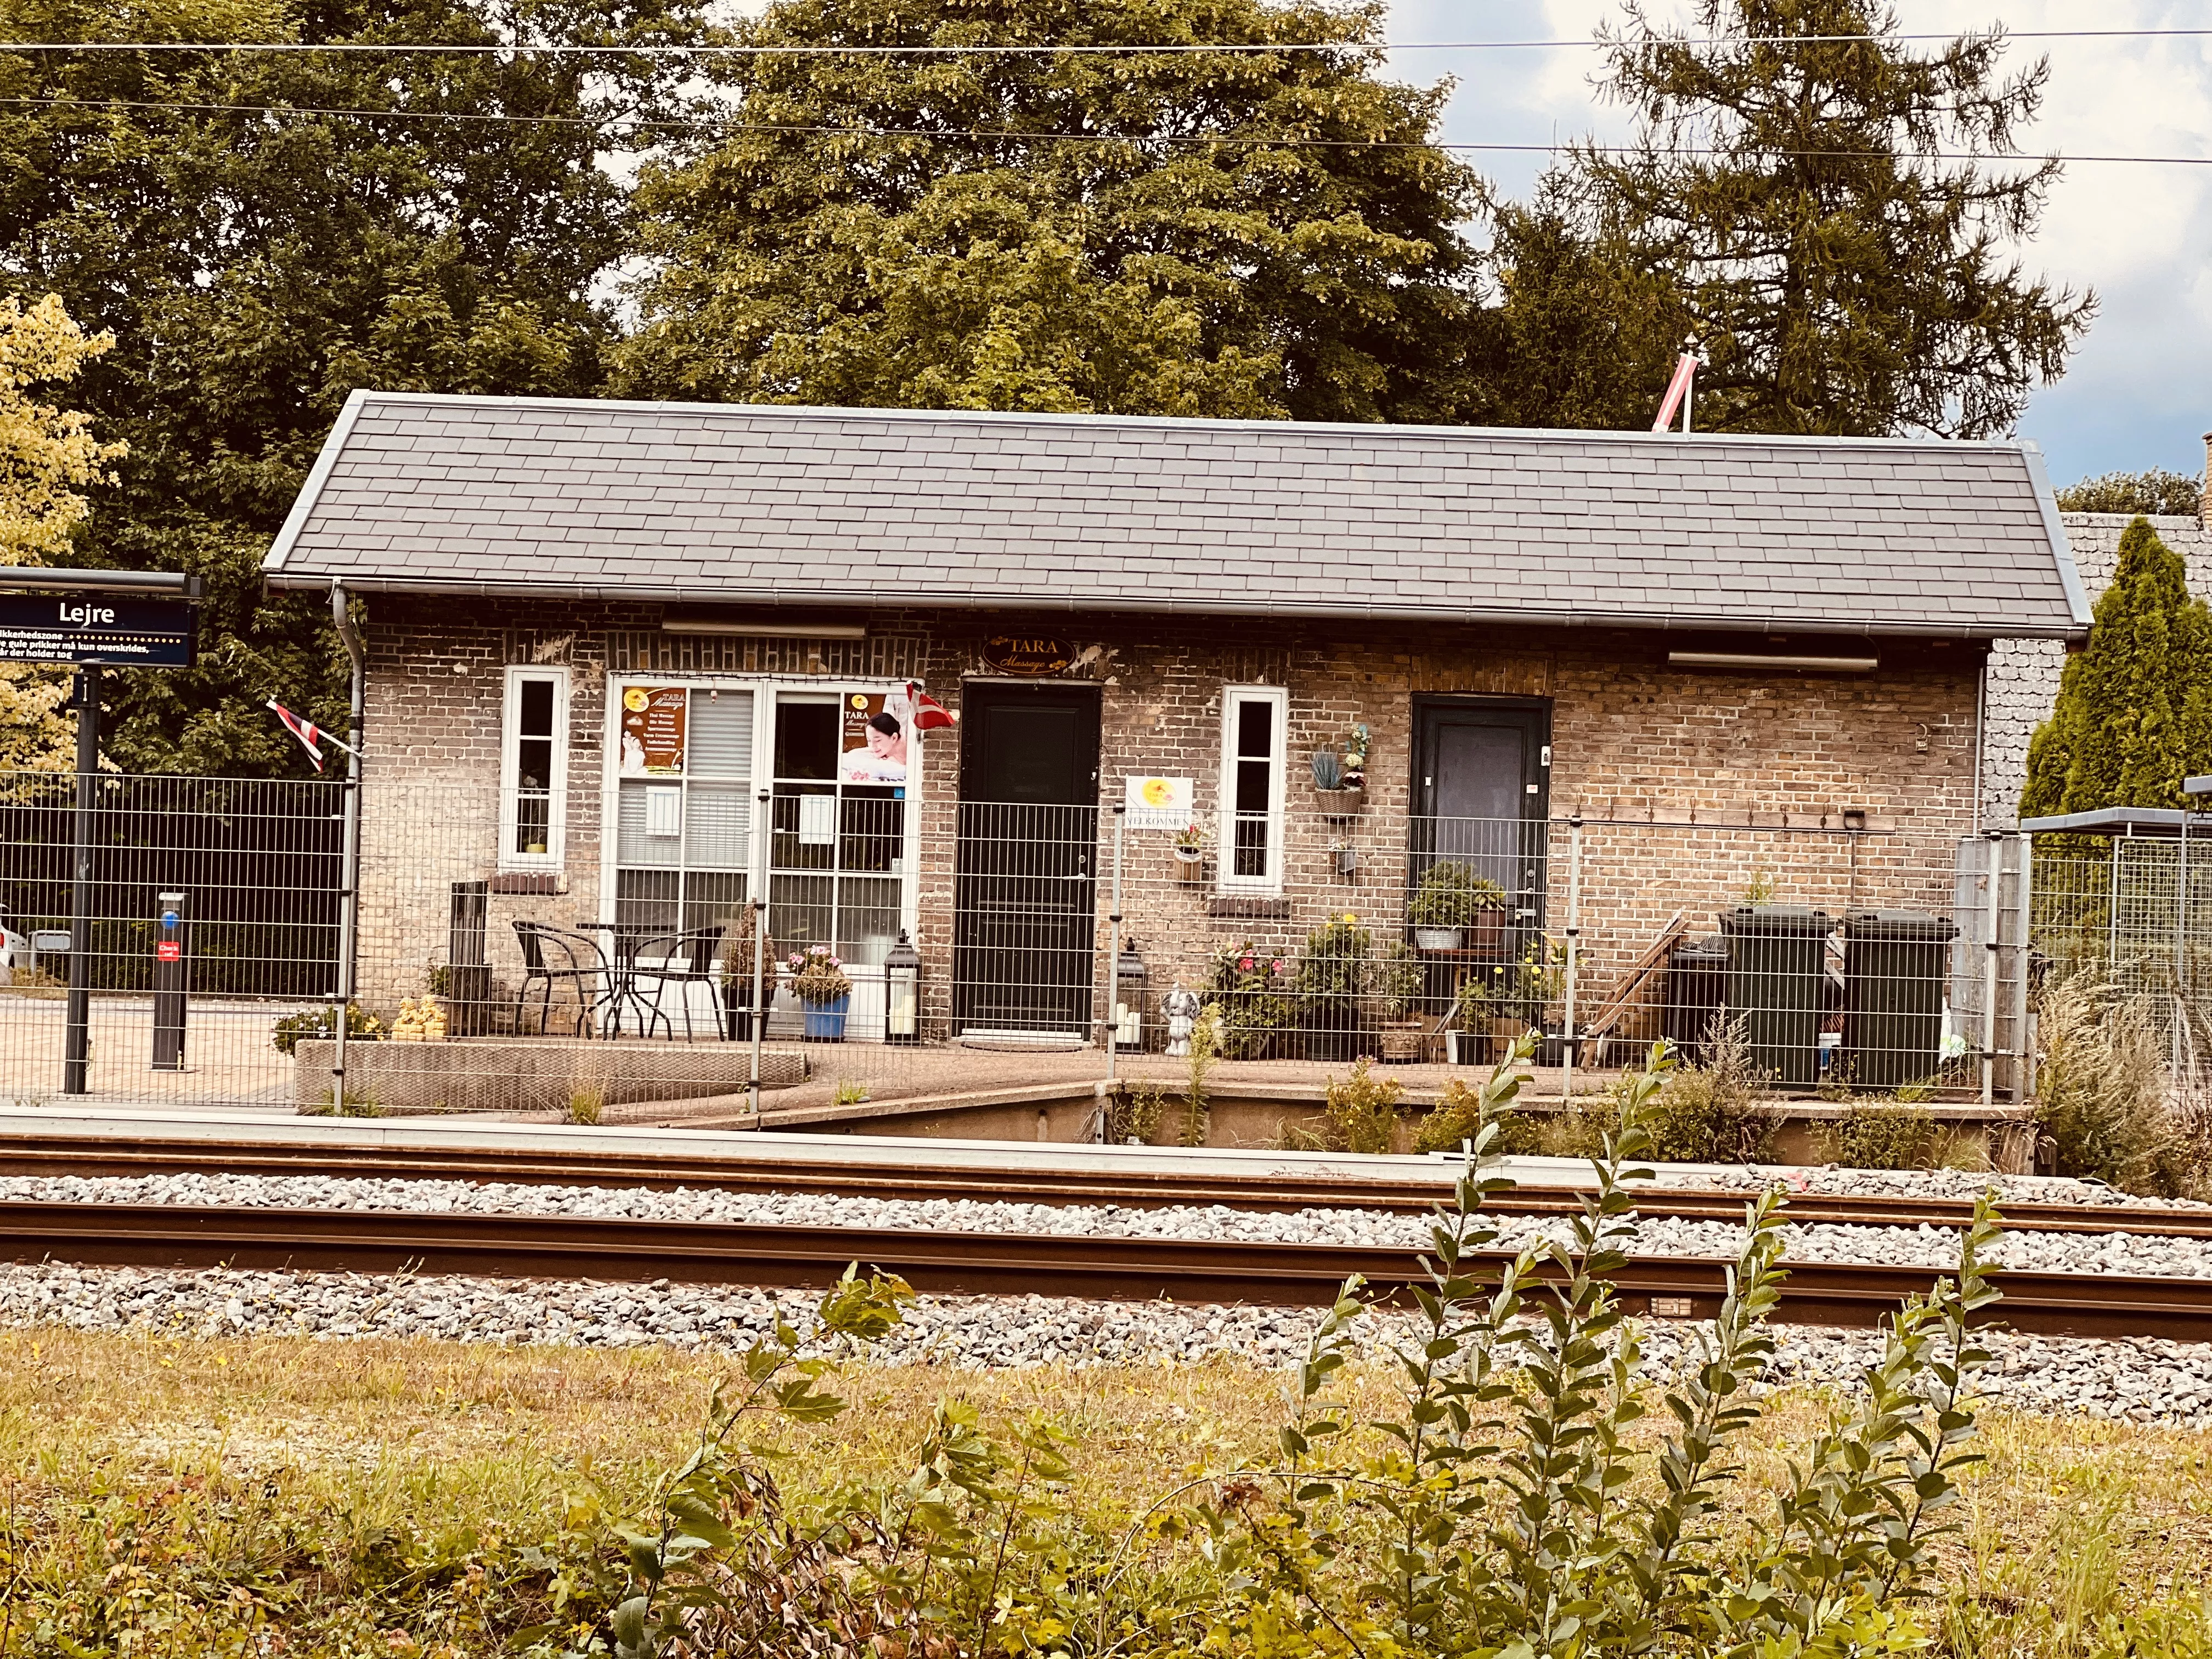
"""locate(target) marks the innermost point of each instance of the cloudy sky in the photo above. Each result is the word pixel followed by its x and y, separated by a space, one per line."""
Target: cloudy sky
pixel 2139 391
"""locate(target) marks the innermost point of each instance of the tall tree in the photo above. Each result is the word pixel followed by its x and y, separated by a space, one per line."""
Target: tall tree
pixel 48 456
pixel 262 233
pixel 2134 715
pixel 1846 275
pixel 1231 232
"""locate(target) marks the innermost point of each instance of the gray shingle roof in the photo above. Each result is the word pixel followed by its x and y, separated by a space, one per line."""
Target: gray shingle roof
pixel 823 507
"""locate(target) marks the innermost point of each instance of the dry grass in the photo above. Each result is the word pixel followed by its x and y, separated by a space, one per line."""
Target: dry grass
pixel 2069 1520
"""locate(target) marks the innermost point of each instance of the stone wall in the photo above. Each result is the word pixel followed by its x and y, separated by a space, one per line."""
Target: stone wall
pixel 2023 674
pixel 1842 790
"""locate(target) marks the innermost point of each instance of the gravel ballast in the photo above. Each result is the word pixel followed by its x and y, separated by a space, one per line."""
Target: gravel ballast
pixel 2143 1380
pixel 1924 1245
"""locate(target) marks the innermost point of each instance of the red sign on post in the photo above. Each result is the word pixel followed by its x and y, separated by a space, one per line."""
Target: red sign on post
pixel 169 950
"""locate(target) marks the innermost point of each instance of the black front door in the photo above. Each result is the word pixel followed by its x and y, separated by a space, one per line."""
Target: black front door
pixel 1481 771
pixel 1025 891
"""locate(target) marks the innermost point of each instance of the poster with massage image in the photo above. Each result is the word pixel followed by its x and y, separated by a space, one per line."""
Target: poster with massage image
pixel 872 746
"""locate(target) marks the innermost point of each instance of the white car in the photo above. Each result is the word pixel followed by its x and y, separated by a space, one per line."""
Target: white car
pixel 15 949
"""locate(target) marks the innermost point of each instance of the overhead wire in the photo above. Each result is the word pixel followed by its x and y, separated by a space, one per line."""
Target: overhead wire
pixel 1048 135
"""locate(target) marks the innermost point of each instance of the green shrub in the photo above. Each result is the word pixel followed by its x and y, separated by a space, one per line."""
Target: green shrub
pixel 1708 1113
pixel 2102 1095
pixel 1450 894
pixel 1134 1113
pixel 1879 1134
pixel 1507 1505
pixel 1249 987
pixel 1362 1111
pixel 1334 968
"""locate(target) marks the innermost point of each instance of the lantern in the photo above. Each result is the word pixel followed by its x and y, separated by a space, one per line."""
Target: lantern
pixel 1129 998
pixel 902 986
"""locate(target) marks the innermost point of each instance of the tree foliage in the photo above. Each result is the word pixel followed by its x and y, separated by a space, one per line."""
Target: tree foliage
pixel 1845 279
pixel 256 260
pixel 48 456
pixel 2134 715
pixel 2156 491
pixel 1230 233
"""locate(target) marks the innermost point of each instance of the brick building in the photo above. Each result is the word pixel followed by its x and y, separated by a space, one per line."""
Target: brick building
pixel 607 641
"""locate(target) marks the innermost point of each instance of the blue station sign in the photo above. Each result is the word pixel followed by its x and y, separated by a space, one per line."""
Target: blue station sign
pixel 101 631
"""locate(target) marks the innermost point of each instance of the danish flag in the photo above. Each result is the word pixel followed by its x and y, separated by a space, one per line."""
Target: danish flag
pixel 308 733
pixel 929 715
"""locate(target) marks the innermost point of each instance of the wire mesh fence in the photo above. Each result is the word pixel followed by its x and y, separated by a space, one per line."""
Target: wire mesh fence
pixel 804 944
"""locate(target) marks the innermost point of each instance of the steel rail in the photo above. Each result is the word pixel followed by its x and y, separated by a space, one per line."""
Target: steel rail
pixel 66 1155
pixel 1073 1265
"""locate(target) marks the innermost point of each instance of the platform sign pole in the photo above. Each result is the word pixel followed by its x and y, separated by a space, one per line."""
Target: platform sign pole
pixel 76 1049
pixel 763 825
pixel 1113 961
pixel 171 986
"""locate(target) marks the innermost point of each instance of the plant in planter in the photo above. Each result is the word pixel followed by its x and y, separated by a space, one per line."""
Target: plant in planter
pixel 1355 743
pixel 743 998
pixel 1332 979
pixel 1190 842
pixel 1447 902
pixel 1538 982
pixel 1394 984
pixel 1248 992
pixel 1468 1033
pixel 819 982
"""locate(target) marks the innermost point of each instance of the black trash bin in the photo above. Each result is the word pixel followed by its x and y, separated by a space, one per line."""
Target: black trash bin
pixel 1775 973
pixel 1894 965
pixel 1696 988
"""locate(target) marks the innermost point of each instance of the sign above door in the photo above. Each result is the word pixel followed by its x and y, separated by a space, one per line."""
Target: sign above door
pixel 1027 654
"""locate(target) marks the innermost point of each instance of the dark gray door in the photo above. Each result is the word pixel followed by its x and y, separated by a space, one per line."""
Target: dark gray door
pixel 1025 889
pixel 1480 775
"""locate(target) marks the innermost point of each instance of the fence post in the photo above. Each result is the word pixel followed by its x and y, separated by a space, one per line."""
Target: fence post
pixel 1114 960
pixel 1574 952
pixel 760 999
pixel 349 847
pixel 1992 871
pixel 2023 1043
pixel 77 1050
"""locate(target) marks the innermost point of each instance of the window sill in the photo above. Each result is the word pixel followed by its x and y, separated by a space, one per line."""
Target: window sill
pixel 1248 907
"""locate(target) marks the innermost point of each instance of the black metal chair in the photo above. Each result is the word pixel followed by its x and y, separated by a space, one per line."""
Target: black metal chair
pixel 552 956
pixel 679 959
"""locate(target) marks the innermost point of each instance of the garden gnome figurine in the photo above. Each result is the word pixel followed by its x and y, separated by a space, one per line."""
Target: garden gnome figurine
pixel 1181 1008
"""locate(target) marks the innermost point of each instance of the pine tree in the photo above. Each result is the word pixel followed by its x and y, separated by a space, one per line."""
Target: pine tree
pixel 2134 715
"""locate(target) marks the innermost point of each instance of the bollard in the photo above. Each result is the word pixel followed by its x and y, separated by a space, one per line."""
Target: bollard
pixel 171 982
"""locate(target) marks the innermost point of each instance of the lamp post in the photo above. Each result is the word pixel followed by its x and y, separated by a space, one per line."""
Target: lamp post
pixel 902 993
pixel 1129 998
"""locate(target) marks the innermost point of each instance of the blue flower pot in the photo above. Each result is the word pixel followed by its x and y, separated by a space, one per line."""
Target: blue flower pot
pixel 825 1021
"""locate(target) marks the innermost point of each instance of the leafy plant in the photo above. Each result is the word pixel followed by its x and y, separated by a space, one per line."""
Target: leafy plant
pixel 1205 1050
pixel 1450 894
pixel 1758 888
pixel 744 942
pixel 1134 1113
pixel 1882 1135
pixel 851 1091
pixel 2102 1097
pixel 1327 770
pixel 1472 1007
pixel 817 976
pixel 1362 1111
pixel 1249 988
pixel 315 1024
pixel 1333 968
pixel 2154 491
pixel 1396 978
pixel 1708 1112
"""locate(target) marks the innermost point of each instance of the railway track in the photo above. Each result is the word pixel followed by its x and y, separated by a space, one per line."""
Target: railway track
pixel 1084 1265
pixel 28 1152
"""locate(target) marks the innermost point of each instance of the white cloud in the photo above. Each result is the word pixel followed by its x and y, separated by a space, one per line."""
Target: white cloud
pixel 2139 391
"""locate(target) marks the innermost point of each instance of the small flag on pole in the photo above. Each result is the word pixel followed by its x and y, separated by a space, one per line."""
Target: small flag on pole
pixel 929 715
pixel 1686 366
pixel 308 733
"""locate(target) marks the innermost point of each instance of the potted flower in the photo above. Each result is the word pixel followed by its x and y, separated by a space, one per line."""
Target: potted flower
pixel 1190 845
pixel 1448 903
pixel 1247 991
pixel 742 997
pixel 1355 756
pixel 818 980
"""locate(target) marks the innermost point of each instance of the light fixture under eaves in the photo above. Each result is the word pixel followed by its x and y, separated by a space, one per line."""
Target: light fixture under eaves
pixel 1760 660
pixel 776 627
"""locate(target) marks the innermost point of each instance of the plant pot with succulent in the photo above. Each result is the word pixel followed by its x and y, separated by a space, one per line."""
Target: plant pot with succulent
pixel 1331 983
pixel 819 982
pixel 1395 987
pixel 744 997
pixel 1448 903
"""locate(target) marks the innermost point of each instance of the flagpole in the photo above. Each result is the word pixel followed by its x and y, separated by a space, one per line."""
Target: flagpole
pixel 349 852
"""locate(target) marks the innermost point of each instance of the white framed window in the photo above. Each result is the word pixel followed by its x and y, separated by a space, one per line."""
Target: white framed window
pixel 533 769
pixel 1250 851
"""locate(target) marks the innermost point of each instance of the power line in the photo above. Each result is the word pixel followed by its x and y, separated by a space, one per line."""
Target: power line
pixel 673 125
pixel 1088 48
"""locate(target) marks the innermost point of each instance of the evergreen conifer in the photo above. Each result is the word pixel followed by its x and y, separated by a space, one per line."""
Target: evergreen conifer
pixel 2134 715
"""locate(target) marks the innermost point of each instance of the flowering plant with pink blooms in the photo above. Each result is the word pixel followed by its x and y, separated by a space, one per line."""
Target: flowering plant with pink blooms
pixel 817 976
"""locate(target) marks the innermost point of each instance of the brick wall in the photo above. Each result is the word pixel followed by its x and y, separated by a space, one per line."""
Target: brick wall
pixel 1695 785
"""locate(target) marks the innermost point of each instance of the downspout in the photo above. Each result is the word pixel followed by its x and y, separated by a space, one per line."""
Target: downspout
pixel 349 853
pixel 1981 704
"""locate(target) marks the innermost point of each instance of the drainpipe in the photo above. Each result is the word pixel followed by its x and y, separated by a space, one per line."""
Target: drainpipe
pixel 349 853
